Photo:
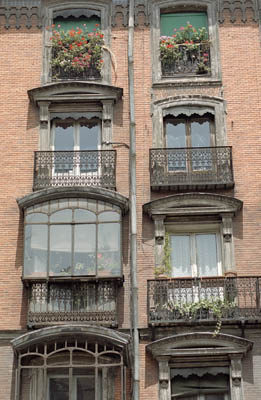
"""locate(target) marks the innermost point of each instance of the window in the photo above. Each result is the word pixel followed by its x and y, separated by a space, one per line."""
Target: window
pixel 200 383
pixel 199 366
pixel 184 45
pixel 185 39
pixel 195 254
pixel 72 363
pixel 72 237
pixel 190 132
pixel 75 137
pixel 78 30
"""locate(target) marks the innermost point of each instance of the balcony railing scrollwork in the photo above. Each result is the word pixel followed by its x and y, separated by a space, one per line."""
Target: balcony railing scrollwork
pixel 191 60
pixel 85 302
pixel 75 168
pixel 191 168
pixel 170 300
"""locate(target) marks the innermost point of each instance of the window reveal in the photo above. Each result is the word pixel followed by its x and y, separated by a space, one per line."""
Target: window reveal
pixel 72 242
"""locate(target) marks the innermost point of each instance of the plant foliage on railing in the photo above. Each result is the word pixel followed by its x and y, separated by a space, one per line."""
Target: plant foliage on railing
pixel 191 310
pixel 187 45
pixel 76 51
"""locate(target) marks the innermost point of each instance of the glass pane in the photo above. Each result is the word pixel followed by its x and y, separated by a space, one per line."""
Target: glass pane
pixel 109 257
pixel 35 251
pixel 109 216
pixel 84 216
pixel 60 250
pixel 176 138
pixel 89 140
pixel 89 137
pixel 63 141
pixel 85 388
pixel 180 255
pixel 61 216
pixel 36 217
pixel 200 134
pixel 59 388
pixel 85 250
pixel 207 254
pixel 64 136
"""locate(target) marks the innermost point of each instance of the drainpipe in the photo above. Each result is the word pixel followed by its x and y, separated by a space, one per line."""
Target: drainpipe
pixel 133 217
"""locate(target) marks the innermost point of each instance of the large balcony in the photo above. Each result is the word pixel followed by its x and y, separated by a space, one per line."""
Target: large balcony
pixel 73 302
pixel 75 168
pixel 199 300
pixel 191 168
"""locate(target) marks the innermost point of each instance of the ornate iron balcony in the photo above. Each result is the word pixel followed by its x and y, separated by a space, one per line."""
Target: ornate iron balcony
pixel 75 168
pixel 191 168
pixel 84 302
pixel 87 74
pixel 189 62
pixel 173 301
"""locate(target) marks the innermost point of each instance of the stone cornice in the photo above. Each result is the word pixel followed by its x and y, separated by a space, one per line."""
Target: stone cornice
pixel 193 204
pixel 75 91
pixel 192 343
pixel 33 10
pixel 105 195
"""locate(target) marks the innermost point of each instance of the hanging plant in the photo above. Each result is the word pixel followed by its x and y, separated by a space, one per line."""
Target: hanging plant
pixel 165 268
pixel 193 310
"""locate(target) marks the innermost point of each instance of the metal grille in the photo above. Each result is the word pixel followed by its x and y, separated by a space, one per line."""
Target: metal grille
pixel 87 74
pixel 75 168
pixel 166 296
pixel 92 302
pixel 189 62
pixel 196 166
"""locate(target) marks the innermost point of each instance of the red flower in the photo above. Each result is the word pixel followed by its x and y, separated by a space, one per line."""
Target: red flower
pixel 170 46
pixel 97 24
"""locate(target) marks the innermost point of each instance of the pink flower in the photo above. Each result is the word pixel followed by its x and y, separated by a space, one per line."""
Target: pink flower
pixel 182 28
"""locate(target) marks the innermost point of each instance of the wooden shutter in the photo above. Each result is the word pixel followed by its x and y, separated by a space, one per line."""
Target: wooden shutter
pixel 74 23
pixel 169 22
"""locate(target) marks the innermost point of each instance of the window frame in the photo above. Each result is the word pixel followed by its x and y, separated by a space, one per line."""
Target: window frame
pixel 191 231
pixel 104 7
pixel 186 5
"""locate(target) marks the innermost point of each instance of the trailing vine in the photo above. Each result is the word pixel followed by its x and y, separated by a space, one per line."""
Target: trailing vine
pixel 192 310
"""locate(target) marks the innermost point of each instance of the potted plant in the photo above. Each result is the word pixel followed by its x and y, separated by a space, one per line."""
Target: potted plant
pixel 76 53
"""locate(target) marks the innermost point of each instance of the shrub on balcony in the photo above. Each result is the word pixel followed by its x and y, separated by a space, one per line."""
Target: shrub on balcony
pixel 76 53
pixel 187 45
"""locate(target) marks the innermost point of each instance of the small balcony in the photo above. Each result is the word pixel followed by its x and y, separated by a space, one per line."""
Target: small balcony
pixel 75 168
pixel 188 301
pixel 74 302
pixel 195 168
pixel 189 61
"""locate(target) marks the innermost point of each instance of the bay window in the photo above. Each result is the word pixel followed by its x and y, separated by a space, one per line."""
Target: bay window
pixel 70 238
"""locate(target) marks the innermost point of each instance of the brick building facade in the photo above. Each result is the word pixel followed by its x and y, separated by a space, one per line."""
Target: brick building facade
pixel 111 179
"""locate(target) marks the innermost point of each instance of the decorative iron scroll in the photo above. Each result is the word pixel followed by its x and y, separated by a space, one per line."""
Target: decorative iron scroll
pixel 30 9
pixel 166 299
pixel 196 166
pixel 91 302
pixel 75 168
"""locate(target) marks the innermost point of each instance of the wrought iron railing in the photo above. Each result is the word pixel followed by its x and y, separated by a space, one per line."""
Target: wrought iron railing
pixel 85 302
pixel 75 168
pixel 171 300
pixel 195 166
pixel 189 62
pixel 91 73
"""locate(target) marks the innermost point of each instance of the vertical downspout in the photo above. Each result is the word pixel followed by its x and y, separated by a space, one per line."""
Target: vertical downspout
pixel 133 216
